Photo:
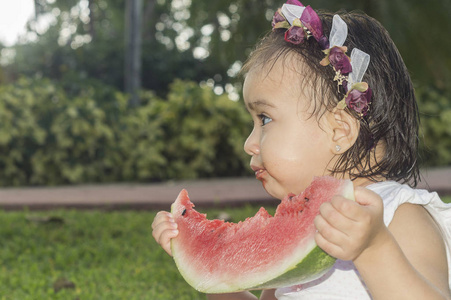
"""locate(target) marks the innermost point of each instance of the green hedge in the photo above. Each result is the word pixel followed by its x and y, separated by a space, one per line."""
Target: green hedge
pixel 49 136
pixel 435 114
pixel 86 133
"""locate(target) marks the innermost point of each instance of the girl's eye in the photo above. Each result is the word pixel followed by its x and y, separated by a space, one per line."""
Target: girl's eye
pixel 264 119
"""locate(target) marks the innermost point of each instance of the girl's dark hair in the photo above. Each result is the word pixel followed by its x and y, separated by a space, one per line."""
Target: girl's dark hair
pixel 392 121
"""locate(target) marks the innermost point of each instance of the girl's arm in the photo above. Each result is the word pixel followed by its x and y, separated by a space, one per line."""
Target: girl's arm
pixel 405 261
pixel 410 263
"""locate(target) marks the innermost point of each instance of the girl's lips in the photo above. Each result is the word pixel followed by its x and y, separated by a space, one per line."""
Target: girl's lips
pixel 259 172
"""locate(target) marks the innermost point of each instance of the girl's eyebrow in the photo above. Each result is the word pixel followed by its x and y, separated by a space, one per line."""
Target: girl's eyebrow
pixel 254 104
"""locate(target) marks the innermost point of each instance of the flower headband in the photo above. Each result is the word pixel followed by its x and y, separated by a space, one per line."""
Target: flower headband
pixel 302 23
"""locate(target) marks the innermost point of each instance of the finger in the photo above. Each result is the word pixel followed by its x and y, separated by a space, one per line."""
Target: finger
pixel 161 216
pixel 161 227
pixel 327 246
pixel 348 208
pixel 367 197
pixel 329 232
pixel 335 217
pixel 165 239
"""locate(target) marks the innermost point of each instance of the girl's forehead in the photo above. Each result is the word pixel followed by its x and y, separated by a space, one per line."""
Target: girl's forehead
pixel 286 65
pixel 276 87
pixel 287 75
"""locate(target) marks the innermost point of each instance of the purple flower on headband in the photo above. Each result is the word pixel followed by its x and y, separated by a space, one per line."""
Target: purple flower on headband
pixel 295 35
pixel 340 60
pixel 359 98
pixel 324 42
pixel 313 23
pixel 277 18
pixel 279 21
pixel 294 2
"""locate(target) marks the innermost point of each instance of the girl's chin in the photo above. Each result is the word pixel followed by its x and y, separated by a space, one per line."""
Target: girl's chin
pixel 278 191
pixel 274 191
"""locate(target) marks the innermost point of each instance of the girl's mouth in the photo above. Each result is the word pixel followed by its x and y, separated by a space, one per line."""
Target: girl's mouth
pixel 259 173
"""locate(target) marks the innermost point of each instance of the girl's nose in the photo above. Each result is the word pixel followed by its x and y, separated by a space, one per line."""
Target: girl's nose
pixel 252 146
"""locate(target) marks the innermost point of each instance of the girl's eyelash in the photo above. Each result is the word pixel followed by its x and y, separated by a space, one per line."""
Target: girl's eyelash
pixel 264 119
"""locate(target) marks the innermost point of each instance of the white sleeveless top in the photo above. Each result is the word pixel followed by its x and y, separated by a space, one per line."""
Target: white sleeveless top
pixel 343 280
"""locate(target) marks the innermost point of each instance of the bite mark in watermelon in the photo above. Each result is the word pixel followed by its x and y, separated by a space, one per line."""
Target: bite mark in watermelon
pixel 261 252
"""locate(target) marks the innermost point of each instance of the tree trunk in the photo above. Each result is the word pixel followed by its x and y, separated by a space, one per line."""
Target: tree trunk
pixel 92 19
pixel 133 49
pixel 148 29
pixel 37 9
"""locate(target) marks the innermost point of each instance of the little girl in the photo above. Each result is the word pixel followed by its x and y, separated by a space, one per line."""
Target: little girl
pixel 330 95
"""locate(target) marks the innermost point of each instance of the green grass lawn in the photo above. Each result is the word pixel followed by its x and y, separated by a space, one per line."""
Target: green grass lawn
pixel 99 254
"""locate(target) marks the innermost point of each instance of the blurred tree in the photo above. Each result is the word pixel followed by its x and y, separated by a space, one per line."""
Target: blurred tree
pixel 79 45
pixel 418 28
pixel 73 41
pixel 133 38
pixel 206 40
pixel 221 33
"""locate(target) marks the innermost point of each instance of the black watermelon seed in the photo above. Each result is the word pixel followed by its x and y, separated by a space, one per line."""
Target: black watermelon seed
pixel 306 199
pixel 184 212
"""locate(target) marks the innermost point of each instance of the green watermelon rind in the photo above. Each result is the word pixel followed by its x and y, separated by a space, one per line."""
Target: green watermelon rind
pixel 312 267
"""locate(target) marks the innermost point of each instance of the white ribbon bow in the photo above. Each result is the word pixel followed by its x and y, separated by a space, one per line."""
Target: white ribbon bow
pixel 359 62
pixel 292 12
pixel 359 59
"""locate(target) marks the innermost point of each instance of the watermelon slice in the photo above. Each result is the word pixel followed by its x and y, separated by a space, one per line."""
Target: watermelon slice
pixel 261 252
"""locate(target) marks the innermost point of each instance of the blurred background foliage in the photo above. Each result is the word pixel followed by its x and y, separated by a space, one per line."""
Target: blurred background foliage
pixel 66 119
pixel 50 137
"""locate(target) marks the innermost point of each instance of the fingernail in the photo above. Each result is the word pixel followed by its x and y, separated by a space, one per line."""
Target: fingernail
pixel 174 225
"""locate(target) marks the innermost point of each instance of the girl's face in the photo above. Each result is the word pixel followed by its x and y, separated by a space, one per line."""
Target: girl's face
pixel 287 144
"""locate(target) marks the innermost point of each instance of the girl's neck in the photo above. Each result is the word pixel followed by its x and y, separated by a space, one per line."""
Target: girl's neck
pixel 365 181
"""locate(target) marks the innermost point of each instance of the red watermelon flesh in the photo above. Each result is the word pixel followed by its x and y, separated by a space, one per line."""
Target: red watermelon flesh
pixel 263 251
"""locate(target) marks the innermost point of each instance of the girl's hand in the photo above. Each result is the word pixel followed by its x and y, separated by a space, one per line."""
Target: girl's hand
pixel 347 228
pixel 164 229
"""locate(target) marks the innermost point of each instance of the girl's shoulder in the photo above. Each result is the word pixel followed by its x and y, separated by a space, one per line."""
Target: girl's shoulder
pixel 395 194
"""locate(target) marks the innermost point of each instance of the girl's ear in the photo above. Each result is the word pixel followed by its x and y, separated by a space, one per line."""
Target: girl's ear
pixel 345 130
